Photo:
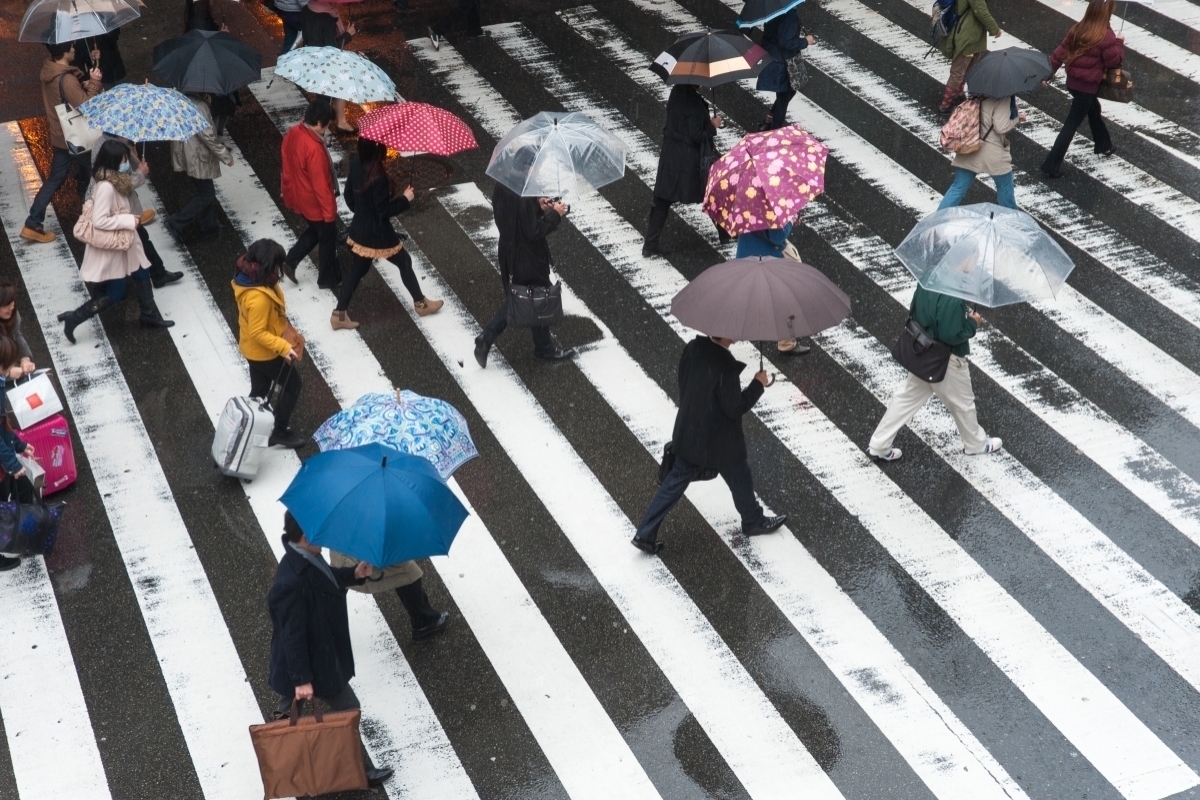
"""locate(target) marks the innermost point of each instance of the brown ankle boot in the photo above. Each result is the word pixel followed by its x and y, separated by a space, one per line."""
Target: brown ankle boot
pixel 426 307
pixel 340 320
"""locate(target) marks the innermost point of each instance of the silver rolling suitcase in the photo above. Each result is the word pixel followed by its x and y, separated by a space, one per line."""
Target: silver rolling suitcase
pixel 242 434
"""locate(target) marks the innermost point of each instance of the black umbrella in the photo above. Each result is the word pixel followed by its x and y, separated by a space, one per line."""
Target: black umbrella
pixel 710 58
pixel 1001 73
pixel 759 12
pixel 210 62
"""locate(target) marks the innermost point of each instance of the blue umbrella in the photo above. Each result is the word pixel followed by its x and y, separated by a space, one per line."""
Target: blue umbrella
pixel 416 425
pixel 144 113
pixel 374 504
pixel 760 12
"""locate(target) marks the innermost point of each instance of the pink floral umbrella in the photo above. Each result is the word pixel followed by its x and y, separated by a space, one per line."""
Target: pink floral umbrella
pixel 765 180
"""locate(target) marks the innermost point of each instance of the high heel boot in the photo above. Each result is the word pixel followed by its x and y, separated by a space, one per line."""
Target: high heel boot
pixel 150 316
pixel 73 319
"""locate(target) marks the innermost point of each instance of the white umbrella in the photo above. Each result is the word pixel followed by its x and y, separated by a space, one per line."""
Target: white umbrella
pixel 53 21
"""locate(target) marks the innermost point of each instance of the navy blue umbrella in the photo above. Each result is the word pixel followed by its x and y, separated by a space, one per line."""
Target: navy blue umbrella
pixel 375 504
pixel 760 12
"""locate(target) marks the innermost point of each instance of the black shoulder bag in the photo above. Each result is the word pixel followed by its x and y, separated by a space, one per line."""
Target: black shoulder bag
pixel 534 306
pixel 917 352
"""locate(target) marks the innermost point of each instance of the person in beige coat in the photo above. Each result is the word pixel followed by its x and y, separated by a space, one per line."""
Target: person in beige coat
pixel 405 579
pixel 111 265
pixel 200 157
pixel 997 117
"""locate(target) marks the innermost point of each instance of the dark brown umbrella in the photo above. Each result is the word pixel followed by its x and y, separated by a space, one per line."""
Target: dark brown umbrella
pixel 761 300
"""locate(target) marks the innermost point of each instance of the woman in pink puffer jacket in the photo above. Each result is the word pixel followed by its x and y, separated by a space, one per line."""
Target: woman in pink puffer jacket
pixel 1089 49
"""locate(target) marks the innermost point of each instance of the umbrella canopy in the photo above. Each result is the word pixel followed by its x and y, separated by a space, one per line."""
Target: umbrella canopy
pixel 407 422
pixel 765 180
pixel 144 113
pixel 985 254
pixel 710 58
pixel 206 61
pixel 761 300
pixel 557 155
pixel 417 128
pixel 1013 70
pixel 53 21
pixel 759 12
pixel 375 504
pixel 342 74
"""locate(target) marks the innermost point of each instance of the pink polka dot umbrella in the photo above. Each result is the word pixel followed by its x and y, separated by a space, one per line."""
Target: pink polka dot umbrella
pixel 417 128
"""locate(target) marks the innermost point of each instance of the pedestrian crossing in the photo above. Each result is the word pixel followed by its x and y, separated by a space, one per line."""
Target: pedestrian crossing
pixel 1035 636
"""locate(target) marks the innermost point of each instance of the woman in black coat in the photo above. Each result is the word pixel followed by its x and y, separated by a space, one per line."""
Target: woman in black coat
pixel 688 134
pixel 371 235
pixel 524 255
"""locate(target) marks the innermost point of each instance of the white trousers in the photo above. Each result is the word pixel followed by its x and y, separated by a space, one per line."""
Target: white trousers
pixel 954 392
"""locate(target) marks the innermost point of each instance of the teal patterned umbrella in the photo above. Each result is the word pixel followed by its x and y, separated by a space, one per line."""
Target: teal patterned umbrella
pixel 342 74
pixel 408 422
pixel 144 113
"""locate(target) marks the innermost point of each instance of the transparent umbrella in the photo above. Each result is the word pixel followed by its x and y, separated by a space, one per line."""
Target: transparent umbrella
pixel 557 155
pixel 53 21
pixel 985 254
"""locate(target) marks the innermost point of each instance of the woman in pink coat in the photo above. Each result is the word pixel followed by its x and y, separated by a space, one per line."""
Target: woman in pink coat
pixel 110 215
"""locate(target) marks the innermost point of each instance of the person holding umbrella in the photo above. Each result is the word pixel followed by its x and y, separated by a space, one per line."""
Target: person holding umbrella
pixel 200 157
pixel 323 27
pixel 782 39
pixel 61 83
pixel 687 136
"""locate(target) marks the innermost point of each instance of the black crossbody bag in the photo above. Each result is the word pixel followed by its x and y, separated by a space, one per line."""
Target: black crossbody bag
pixel 534 306
pixel 917 352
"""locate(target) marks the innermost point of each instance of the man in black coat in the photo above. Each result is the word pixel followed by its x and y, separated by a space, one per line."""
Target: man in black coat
pixel 524 255
pixel 310 631
pixel 681 178
pixel 708 435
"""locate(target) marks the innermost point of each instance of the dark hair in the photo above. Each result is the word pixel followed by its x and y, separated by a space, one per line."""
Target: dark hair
pixel 58 49
pixel 319 112
pixel 109 156
pixel 8 352
pixel 371 155
pixel 8 294
pixel 291 528
pixel 268 254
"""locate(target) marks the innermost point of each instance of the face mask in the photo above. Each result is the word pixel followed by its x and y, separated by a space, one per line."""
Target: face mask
pixel 124 167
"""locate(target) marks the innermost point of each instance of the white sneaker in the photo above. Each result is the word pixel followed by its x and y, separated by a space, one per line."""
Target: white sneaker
pixel 893 454
pixel 993 444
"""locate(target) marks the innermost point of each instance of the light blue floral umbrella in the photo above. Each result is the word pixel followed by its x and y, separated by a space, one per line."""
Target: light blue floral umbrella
pixel 144 113
pixel 342 74
pixel 408 422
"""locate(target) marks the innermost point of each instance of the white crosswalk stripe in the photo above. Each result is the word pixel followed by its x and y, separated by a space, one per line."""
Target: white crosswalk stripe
pixel 589 744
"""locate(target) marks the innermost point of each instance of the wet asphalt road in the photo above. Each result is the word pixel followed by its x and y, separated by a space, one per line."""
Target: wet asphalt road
pixel 139 737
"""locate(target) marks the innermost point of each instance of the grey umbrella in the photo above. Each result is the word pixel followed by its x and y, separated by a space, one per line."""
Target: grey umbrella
pixel 761 300
pixel 1013 70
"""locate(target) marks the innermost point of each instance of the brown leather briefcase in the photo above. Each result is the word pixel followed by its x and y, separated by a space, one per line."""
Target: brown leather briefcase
pixel 307 756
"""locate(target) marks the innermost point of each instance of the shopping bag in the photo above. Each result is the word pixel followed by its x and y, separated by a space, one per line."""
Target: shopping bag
pixel 80 136
pixel 307 756
pixel 34 399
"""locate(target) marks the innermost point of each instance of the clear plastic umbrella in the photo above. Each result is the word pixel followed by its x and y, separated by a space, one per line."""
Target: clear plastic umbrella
pixel 557 155
pixel 53 21
pixel 985 254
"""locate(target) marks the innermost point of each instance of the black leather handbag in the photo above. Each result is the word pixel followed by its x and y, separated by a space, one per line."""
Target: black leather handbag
pixel 921 355
pixel 534 306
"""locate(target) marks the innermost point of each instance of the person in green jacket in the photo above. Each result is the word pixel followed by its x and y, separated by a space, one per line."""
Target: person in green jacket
pixel 948 320
pixel 965 45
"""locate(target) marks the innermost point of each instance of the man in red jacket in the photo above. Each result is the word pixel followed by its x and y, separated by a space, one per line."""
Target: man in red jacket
pixel 311 189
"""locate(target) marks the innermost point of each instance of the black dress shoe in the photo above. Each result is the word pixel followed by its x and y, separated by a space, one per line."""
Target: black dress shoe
pixel 289 272
pixel 481 351
pixel 655 250
pixel 647 546
pixel 557 354
pixel 768 525
pixel 433 628
pixel 286 438
pixel 9 562
pixel 163 278
pixel 376 776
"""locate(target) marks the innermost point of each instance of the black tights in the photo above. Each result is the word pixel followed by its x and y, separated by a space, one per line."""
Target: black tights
pixel 358 268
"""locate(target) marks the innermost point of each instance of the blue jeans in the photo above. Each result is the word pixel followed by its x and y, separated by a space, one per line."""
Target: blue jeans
pixel 737 478
pixel 60 169
pixel 1005 194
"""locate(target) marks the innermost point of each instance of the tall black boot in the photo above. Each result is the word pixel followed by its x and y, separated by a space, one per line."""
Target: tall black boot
pixel 426 620
pixel 73 319
pixel 150 318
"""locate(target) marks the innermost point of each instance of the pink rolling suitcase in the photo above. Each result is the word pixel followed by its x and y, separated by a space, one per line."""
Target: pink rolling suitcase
pixel 51 440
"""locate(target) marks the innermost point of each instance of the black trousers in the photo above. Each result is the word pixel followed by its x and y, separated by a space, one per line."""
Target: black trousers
pixel 345 700
pixel 543 343
pixel 737 478
pixel 658 221
pixel 416 603
pixel 323 236
pixel 60 170
pixel 465 15
pixel 358 270
pixel 263 374
pixel 1082 105
pixel 203 205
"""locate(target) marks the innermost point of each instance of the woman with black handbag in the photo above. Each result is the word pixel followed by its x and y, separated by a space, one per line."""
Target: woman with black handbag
pixel 1088 51
pixel 948 321
pixel 687 153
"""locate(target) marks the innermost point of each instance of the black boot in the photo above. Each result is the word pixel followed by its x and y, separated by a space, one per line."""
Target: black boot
pixel 426 620
pixel 73 319
pixel 150 318
pixel 160 276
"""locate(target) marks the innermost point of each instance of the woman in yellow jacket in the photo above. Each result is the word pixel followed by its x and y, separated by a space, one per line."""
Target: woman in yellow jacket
pixel 262 319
